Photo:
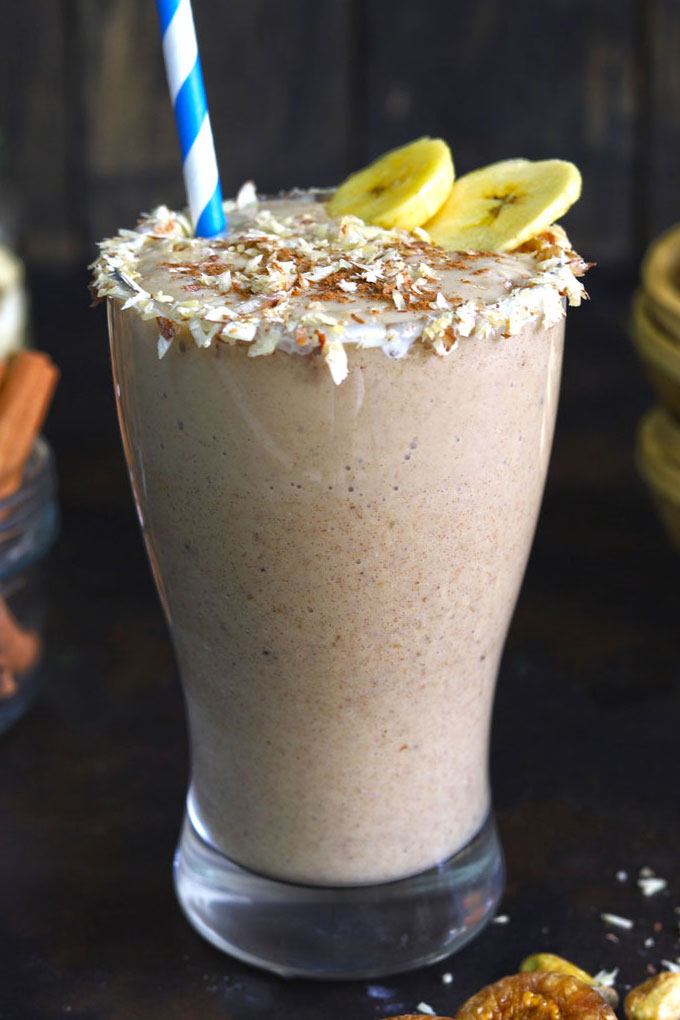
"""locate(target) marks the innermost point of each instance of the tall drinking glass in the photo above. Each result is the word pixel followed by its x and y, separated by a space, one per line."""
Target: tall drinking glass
pixel 338 438
pixel 338 566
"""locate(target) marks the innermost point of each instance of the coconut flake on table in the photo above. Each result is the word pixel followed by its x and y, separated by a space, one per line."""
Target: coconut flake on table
pixel 617 921
pixel 651 885
pixel 606 978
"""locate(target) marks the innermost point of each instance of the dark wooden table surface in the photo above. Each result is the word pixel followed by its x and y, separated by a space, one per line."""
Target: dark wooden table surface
pixel 586 741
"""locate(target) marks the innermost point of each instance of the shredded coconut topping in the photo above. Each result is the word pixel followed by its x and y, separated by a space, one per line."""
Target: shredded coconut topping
pixel 287 276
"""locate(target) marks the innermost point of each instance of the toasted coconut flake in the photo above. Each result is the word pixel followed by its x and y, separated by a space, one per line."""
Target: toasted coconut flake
pixel 247 195
pixel 266 343
pixel 606 978
pixel 335 357
pixel 616 921
pixel 240 330
pixel 163 346
pixel 651 885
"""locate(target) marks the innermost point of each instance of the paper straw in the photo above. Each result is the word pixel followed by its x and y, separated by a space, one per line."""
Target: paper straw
pixel 185 80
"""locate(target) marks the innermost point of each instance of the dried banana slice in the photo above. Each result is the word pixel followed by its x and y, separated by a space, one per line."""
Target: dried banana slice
pixel 403 188
pixel 502 205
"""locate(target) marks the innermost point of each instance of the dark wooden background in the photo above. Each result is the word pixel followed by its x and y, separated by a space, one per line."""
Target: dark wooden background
pixel 585 763
pixel 303 91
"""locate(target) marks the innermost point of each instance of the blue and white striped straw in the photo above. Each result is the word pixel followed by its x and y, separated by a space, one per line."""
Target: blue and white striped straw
pixel 183 67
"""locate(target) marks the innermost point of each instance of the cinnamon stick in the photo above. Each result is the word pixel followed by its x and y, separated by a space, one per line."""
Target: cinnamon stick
pixel 25 394
pixel 19 647
pixel 19 650
pixel 8 685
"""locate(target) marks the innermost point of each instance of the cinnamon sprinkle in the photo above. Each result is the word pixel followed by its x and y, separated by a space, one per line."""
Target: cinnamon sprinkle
pixel 166 328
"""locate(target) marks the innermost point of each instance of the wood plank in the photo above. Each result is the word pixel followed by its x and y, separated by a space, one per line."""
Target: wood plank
pixel 278 78
pixel 301 93
pixel 663 113
pixel 498 80
pixel 130 153
pixel 33 122
pixel 277 81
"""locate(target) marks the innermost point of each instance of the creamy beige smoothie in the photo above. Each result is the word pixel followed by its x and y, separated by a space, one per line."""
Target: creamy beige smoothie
pixel 338 439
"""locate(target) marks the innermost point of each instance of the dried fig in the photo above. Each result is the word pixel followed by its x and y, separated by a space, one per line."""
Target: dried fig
pixel 538 995
pixel 558 965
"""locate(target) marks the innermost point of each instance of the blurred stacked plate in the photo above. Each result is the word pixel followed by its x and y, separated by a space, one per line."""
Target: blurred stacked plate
pixel 655 329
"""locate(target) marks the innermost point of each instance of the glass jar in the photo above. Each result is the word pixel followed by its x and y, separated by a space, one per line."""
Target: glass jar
pixel 28 527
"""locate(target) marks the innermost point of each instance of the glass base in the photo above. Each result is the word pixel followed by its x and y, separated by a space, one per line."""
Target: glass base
pixel 339 933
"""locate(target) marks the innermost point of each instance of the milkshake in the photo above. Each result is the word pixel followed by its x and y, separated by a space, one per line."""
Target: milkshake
pixel 338 437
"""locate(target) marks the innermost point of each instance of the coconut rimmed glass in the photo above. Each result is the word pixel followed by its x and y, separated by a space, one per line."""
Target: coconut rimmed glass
pixel 338 566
